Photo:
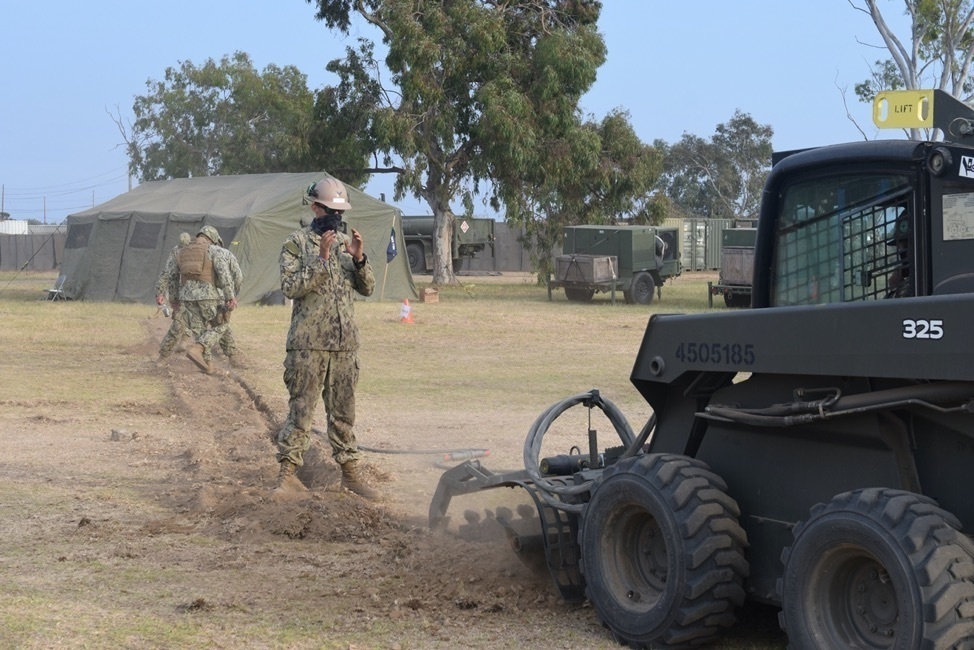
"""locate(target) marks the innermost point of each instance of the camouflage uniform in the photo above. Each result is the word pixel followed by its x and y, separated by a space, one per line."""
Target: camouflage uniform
pixel 227 343
pixel 322 343
pixel 178 327
pixel 201 300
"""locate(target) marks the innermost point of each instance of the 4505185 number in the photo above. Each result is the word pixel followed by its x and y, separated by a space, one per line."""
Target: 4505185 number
pixel 733 353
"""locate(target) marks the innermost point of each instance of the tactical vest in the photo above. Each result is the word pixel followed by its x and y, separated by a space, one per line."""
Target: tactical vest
pixel 194 261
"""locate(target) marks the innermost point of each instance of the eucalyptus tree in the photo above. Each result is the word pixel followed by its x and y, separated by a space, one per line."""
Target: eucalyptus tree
pixel 721 177
pixel 221 118
pixel 595 173
pixel 483 95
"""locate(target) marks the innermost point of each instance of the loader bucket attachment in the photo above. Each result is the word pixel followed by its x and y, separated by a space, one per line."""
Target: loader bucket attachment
pixel 554 533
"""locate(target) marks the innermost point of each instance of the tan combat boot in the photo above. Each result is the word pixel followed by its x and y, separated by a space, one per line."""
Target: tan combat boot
pixel 353 480
pixel 288 484
pixel 195 355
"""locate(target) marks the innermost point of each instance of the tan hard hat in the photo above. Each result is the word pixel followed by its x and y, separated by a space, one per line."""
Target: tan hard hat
pixel 329 192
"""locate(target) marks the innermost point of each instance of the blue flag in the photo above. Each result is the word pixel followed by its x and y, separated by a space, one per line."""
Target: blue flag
pixel 391 250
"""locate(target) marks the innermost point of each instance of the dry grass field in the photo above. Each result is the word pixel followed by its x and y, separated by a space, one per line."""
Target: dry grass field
pixel 135 494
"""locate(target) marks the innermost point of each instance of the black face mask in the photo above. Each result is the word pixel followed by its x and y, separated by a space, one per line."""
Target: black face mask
pixel 321 225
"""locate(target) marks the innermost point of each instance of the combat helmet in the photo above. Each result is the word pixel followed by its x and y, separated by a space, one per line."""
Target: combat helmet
pixel 211 233
pixel 329 192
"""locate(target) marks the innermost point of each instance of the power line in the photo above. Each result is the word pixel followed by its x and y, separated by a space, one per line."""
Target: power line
pixel 57 190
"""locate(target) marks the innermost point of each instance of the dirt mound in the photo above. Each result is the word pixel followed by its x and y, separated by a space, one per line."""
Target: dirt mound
pixel 223 487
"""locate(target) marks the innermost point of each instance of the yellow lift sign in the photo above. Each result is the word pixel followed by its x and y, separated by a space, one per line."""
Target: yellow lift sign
pixel 904 109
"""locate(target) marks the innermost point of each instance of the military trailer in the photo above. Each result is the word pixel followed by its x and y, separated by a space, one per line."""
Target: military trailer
pixel 636 260
pixel 736 268
pixel 813 453
pixel 471 236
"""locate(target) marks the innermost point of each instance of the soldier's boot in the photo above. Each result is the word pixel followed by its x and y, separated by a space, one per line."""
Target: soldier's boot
pixel 195 355
pixel 287 481
pixel 353 479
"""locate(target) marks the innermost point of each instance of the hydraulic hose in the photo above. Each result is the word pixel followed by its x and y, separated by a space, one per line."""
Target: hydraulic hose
pixel 448 455
pixel 549 490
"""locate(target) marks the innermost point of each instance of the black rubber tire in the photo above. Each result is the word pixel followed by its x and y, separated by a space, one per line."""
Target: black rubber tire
pixel 737 300
pixel 878 568
pixel 663 552
pixel 641 290
pixel 578 294
pixel 457 264
pixel 417 258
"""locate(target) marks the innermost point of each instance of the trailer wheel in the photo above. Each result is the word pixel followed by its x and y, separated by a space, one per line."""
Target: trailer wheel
pixel 737 300
pixel 579 294
pixel 663 552
pixel 878 568
pixel 641 289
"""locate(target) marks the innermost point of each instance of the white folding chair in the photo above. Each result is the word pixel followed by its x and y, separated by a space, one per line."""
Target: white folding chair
pixel 57 291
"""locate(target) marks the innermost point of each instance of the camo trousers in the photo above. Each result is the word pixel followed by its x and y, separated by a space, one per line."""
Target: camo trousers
pixel 177 329
pixel 332 376
pixel 200 315
pixel 227 343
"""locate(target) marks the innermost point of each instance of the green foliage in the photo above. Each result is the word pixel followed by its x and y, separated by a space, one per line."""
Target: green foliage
pixel 221 118
pixel 885 76
pixel 486 104
pixel 722 177
pixel 936 53
pixel 344 126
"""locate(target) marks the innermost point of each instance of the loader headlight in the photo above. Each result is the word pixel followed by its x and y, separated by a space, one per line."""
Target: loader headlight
pixel 939 161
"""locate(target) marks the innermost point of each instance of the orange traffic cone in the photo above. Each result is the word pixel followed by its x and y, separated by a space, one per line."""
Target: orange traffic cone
pixel 406 313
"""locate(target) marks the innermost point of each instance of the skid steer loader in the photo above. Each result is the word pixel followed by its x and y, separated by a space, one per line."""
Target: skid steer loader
pixel 816 452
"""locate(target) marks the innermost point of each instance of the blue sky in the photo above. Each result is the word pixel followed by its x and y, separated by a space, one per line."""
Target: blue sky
pixel 676 67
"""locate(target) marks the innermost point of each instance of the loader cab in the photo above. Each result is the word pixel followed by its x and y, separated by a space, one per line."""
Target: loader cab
pixel 866 221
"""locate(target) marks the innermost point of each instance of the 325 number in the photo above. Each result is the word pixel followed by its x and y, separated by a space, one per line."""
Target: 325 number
pixel 923 329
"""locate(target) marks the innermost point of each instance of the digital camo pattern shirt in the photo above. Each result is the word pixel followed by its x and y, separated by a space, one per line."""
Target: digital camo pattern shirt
pixel 222 288
pixel 322 315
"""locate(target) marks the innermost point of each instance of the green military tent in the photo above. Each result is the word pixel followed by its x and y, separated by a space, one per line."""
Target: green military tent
pixel 115 251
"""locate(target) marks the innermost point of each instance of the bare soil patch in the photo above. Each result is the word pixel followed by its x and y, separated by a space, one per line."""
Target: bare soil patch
pixel 183 496
pixel 129 526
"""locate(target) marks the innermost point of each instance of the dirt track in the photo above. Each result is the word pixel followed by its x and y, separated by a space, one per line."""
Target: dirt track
pixel 182 497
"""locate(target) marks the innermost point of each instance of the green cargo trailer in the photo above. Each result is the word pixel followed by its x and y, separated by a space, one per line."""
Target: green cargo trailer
pixel 736 268
pixel 634 259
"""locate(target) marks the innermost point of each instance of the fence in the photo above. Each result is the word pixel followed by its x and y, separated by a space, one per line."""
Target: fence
pixel 31 252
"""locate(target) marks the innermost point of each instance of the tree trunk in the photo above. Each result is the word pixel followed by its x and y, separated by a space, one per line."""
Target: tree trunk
pixel 443 224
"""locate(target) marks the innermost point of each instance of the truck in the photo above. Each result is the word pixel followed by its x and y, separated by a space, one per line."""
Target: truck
pixel 813 453
pixel 471 236
pixel 736 268
pixel 635 260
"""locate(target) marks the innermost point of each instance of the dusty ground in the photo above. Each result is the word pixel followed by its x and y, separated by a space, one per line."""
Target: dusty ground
pixel 183 498
pixel 131 529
